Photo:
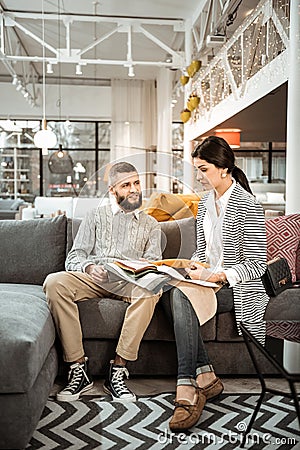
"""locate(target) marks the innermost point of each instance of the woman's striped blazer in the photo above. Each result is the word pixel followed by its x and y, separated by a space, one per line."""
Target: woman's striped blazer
pixel 245 250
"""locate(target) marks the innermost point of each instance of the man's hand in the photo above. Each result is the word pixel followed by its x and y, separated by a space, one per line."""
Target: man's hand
pixel 98 273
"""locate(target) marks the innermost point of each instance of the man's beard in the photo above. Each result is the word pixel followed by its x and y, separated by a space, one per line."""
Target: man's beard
pixel 127 205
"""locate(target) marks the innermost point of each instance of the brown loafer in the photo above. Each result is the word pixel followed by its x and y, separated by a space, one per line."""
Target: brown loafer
pixel 186 415
pixel 213 389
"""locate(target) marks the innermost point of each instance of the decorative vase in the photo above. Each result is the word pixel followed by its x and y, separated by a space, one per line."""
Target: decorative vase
pixel 185 115
pixel 189 105
pixel 196 65
pixel 194 101
pixel 191 70
pixel 184 79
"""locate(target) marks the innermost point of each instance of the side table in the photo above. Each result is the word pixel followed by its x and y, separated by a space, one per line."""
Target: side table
pixel 288 330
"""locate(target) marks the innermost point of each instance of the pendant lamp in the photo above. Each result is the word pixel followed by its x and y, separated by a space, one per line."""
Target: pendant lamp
pixel 231 135
pixel 44 138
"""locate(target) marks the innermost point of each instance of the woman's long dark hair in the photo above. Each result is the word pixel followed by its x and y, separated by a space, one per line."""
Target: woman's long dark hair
pixel 216 150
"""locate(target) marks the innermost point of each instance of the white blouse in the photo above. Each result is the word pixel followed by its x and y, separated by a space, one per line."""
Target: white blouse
pixel 212 227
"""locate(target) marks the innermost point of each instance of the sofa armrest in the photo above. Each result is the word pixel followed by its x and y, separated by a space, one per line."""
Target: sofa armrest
pixel 284 306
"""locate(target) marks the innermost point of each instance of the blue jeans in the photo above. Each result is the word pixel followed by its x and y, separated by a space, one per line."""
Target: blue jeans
pixel 191 353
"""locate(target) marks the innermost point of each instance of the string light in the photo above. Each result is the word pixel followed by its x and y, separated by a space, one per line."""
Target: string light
pixel 212 83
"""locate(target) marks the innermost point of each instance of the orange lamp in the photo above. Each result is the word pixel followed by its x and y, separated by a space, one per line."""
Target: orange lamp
pixel 231 135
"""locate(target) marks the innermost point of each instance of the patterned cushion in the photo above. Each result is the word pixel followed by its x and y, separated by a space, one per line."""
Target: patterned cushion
pixel 283 235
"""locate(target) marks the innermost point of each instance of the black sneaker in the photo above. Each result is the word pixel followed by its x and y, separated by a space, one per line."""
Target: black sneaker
pixel 79 381
pixel 115 385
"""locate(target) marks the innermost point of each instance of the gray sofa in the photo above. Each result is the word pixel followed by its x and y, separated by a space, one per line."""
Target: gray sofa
pixel 29 355
pixel 9 208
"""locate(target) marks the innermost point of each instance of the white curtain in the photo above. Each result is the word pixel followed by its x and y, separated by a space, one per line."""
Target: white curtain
pixel 164 133
pixel 134 121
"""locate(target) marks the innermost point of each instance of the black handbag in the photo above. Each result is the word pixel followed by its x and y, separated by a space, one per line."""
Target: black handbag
pixel 277 277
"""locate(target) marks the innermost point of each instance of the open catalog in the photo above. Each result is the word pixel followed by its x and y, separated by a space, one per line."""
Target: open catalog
pixel 151 275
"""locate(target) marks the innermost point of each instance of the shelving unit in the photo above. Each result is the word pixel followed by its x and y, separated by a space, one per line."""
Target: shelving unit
pixel 15 170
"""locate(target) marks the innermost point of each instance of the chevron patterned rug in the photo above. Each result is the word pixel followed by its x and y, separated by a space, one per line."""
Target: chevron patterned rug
pixel 97 423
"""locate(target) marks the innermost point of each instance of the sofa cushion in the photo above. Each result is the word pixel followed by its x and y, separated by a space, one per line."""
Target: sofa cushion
pixel 102 318
pixel 179 238
pixel 284 307
pixel 283 236
pixel 165 206
pixel 27 335
pixel 226 328
pixel 16 204
pixel 31 249
pixel 6 203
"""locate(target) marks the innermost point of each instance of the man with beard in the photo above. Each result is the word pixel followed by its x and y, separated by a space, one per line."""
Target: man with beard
pixel 114 231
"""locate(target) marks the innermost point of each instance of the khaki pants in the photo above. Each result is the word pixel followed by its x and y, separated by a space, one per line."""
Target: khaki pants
pixel 64 289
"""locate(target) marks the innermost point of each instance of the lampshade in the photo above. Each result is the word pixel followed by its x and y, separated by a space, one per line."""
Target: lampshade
pixel 231 135
pixel 45 139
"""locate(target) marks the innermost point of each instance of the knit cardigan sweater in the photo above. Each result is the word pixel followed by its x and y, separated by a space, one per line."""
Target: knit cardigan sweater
pixel 104 236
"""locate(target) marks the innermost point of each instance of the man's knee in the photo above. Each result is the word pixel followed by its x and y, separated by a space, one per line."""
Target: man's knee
pixel 54 282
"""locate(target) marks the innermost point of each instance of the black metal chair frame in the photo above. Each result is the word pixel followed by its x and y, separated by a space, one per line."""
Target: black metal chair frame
pixel 290 378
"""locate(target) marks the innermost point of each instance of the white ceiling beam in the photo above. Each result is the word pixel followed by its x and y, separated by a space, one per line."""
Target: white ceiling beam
pixel 74 60
pixel 93 18
pixel 98 41
pixel 157 41
pixel 35 37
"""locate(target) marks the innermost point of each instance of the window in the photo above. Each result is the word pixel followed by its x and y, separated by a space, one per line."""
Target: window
pixel 70 169
pixel 262 162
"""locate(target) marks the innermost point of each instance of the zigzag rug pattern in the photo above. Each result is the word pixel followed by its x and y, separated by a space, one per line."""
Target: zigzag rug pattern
pixel 97 423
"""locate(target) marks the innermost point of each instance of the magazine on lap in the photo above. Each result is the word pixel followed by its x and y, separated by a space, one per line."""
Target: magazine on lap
pixel 155 275
pixel 136 270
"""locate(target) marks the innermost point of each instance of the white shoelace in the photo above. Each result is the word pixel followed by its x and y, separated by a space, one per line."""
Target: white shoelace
pixel 118 380
pixel 75 374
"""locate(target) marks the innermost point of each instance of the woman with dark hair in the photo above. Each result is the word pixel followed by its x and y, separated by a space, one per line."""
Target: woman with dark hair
pixel 231 240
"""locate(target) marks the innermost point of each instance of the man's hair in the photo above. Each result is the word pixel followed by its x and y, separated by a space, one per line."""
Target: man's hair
pixel 121 167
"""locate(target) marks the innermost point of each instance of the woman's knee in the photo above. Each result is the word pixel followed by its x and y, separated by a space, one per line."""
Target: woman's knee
pixel 178 302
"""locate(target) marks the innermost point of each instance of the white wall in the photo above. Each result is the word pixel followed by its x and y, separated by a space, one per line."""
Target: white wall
pixel 78 102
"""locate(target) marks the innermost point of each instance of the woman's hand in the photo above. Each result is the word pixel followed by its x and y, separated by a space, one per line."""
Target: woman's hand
pixel 197 271
pixel 97 272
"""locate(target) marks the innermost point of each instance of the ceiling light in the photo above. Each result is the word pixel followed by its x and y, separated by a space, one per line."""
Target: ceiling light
pixel 44 138
pixel 14 80
pixel 49 68
pixel 78 69
pixel 131 71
